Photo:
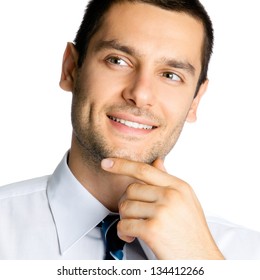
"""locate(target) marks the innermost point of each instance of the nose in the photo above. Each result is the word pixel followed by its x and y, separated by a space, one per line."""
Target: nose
pixel 139 91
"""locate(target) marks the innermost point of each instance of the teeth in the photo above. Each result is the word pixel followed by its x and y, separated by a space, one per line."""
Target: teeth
pixel 131 124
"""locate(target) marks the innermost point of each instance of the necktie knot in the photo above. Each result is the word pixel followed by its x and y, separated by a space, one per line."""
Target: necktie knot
pixel 114 245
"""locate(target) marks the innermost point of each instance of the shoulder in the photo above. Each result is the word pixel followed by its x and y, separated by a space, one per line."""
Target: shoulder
pixel 219 225
pixel 23 188
pixel 235 241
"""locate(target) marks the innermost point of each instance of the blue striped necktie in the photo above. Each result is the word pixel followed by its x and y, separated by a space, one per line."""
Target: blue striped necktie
pixel 114 245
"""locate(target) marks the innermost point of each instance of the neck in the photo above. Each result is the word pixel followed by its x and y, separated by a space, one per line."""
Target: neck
pixel 106 187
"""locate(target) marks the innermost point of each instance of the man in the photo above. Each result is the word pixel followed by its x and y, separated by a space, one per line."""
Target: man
pixel 137 72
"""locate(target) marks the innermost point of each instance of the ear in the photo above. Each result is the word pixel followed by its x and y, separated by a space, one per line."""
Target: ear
pixel 69 67
pixel 192 115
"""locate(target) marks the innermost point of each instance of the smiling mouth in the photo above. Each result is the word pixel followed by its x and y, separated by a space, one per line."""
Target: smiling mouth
pixel 132 124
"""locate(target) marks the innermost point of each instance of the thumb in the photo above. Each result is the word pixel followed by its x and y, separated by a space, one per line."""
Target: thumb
pixel 159 164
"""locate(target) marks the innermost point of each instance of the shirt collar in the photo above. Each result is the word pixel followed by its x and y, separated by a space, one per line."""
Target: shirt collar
pixel 75 211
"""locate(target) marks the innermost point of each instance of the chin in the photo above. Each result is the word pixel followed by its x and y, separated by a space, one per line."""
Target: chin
pixel 138 157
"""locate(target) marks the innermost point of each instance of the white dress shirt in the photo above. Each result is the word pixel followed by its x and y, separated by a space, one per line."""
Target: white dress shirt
pixel 55 217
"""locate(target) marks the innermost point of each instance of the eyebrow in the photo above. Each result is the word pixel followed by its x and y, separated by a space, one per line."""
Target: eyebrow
pixel 173 63
pixel 179 65
pixel 114 44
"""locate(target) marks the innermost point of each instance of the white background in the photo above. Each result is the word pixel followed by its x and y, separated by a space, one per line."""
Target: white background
pixel 213 270
pixel 218 156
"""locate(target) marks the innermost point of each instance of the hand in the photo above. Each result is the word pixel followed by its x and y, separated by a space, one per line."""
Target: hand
pixel 163 211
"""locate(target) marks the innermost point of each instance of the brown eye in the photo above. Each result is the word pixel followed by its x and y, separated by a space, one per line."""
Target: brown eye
pixel 171 76
pixel 117 61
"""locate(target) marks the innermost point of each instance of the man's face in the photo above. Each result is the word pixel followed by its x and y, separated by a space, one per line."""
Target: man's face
pixel 136 86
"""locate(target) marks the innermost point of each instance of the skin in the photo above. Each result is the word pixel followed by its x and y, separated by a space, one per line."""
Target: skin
pixel 143 72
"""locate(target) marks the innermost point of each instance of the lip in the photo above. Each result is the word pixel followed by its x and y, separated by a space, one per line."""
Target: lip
pixel 125 129
pixel 132 118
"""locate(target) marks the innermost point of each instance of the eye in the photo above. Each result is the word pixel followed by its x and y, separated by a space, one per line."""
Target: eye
pixel 171 76
pixel 116 61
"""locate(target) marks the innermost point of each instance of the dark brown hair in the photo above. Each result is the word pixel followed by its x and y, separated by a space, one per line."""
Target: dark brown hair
pixel 96 10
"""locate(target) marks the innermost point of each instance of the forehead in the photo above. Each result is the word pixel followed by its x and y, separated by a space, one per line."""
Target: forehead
pixel 153 31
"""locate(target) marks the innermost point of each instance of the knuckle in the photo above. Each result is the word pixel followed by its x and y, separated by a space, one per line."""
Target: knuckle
pixel 169 194
pixel 123 206
pixel 124 226
pixel 121 165
pixel 153 228
pixel 142 170
pixel 131 189
pixel 186 189
pixel 181 187
pixel 120 226
pixel 122 229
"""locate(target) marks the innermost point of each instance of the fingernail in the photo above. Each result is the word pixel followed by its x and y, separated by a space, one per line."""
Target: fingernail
pixel 107 163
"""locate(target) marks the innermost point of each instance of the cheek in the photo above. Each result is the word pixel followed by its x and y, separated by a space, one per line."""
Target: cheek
pixel 101 86
pixel 175 108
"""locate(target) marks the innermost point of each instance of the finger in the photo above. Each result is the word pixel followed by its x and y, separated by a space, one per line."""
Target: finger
pixel 130 209
pixel 141 192
pixel 129 229
pixel 138 170
pixel 126 238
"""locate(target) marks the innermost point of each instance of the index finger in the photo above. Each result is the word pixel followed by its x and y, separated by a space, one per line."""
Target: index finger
pixel 138 170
